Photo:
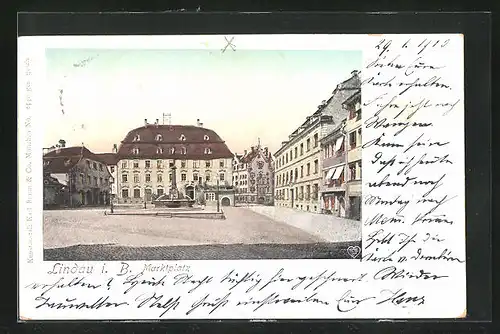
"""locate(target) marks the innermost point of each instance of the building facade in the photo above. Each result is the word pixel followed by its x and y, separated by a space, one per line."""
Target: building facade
pixel 149 155
pixel 253 176
pixel 83 174
pixel 334 171
pixel 111 160
pixel 298 174
pixel 354 163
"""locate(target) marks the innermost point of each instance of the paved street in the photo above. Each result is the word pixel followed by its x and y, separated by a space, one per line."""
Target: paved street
pixel 91 235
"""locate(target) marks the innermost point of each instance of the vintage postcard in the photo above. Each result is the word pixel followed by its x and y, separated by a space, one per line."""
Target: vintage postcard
pixel 241 177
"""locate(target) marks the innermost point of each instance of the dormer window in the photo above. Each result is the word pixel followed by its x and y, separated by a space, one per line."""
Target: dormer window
pixel 206 137
pixel 46 163
pixel 66 163
pixel 159 137
pixel 159 150
pixel 208 150
pixel 182 137
pixel 135 150
pixel 172 150
pixel 183 150
pixel 137 137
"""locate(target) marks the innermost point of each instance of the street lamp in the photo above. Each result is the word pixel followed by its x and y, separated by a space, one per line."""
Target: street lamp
pixel 217 196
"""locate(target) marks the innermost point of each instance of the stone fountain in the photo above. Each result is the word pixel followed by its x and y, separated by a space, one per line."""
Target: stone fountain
pixel 173 199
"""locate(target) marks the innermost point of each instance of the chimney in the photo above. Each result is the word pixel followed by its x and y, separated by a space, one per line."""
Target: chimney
pixel 115 148
pixel 245 152
pixel 157 122
pixel 200 125
pixel 145 122
pixel 197 122
pixel 354 73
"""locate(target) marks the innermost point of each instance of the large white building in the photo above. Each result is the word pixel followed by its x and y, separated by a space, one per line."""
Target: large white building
pixel 298 174
pixel 144 161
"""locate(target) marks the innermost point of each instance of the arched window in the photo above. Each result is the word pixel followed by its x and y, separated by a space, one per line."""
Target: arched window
pixel 137 137
pixel 159 150
pixel 135 150
pixel 206 137
pixel 159 137
pixel 182 137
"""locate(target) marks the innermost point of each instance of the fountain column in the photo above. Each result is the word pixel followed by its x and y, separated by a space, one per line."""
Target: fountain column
pixel 174 194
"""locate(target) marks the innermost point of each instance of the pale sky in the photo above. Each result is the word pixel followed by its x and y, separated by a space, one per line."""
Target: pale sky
pixel 242 95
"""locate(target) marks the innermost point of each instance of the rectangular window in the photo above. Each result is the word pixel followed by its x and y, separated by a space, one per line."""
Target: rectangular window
pixel 301 171
pixel 316 166
pixel 89 180
pixel 210 196
pixel 195 177
pixel 100 180
pixel 159 192
pixel 136 164
pixel 352 171
pixel 315 192
pixel 100 167
pixel 308 192
pixel 196 164
pixel 171 164
pixel 112 169
pixel 148 163
pixel 221 164
pixel 207 177
pixel 308 169
pixel 207 164
pixel 159 163
pixel 124 178
pixel 183 164
pixel 221 177
pixel 295 153
pixel 316 140
pixel 137 193
pixel 136 178
pixel 94 165
pixel 124 193
pixel 148 177
pixel 301 148
pixel 291 154
pixel 159 178
pixel 183 177
pixel 88 163
pixel 82 179
pixel 170 177
pixel 359 170
pixel 124 164
pixel 308 144
pixel 352 139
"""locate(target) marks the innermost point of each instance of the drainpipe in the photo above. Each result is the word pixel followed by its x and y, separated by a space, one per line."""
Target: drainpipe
pixel 346 171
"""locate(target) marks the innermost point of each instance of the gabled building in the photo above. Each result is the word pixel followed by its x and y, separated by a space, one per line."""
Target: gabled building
pixel 253 176
pixel 82 173
pixel 298 173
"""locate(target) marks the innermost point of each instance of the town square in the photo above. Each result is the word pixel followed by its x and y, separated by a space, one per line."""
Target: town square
pixel 169 188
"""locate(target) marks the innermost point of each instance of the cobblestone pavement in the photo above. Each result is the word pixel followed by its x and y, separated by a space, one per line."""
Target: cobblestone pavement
pixel 245 234
pixel 201 252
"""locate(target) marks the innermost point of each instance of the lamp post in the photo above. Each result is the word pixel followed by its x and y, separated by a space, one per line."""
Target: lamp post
pixel 217 196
